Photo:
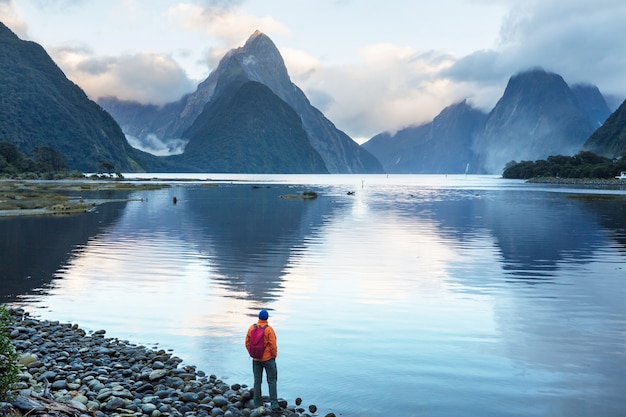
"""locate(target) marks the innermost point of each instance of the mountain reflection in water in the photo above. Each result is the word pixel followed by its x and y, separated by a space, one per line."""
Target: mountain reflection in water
pixel 33 247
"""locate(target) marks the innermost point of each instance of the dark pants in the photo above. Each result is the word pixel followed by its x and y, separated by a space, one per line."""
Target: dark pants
pixel 272 376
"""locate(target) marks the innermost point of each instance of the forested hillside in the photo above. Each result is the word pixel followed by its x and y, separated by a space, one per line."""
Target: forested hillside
pixel 610 139
pixel 39 107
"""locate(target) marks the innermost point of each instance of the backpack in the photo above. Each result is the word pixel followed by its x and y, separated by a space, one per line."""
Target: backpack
pixel 257 342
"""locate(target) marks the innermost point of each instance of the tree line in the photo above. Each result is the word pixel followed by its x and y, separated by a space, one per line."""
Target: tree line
pixel 43 162
pixel 584 164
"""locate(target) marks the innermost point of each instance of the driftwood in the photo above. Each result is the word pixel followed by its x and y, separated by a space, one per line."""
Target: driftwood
pixel 39 406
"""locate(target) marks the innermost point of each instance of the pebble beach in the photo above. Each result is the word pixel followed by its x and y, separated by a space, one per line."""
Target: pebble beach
pixel 588 182
pixel 66 371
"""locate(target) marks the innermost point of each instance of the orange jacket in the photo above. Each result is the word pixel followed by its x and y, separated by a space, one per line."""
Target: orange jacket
pixel 271 348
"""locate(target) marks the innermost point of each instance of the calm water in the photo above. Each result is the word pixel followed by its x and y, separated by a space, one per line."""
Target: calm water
pixel 416 296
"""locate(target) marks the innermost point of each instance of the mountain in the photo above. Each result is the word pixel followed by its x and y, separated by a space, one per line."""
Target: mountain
pixel 248 129
pixel 145 124
pixel 260 61
pixel 537 116
pixel 592 103
pixel 39 106
pixel 610 139
pixel 441 146
pixel 613 101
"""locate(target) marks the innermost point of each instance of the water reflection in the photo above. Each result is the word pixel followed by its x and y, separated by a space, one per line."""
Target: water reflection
pixel 534 232
pixel 33 248
pixel 490 300
pixel 249 234
pixel 552 334
pixel 243 236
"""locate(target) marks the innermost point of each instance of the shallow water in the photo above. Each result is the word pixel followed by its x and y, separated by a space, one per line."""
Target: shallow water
pixel 417 295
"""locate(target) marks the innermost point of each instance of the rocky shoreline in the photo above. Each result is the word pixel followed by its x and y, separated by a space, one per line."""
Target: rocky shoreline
pixel 68 372
pixel 52 197
pixel 590 182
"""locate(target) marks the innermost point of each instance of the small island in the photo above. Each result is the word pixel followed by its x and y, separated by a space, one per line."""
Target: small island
pixel 42 184
pixel 584 168
pixel 56 197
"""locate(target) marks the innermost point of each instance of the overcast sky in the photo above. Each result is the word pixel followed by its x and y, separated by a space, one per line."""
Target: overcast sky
pixel 369 66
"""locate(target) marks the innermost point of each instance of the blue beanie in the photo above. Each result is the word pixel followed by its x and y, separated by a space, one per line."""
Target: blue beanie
pixel 263 315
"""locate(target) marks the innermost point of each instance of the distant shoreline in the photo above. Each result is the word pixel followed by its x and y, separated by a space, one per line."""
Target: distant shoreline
pixel 591 182
pixel 50 197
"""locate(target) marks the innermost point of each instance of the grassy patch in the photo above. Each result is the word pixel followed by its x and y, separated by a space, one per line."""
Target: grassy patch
pixel 49 197
pixel 597 197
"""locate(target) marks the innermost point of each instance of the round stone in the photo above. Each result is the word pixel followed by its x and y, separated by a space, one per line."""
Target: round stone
pixel 49 375
pixel 189 397
pixel 81 399
pixel 59 385
pixel 157 374
pixel 220 401
pixel 114 403
pixel 79 405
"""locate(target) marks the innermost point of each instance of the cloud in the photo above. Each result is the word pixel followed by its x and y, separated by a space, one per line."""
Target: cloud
pixel 143 77
pixel 577 39
pixel 221 4
pixel 393 87
pixel 152 144
pixel 223 22
pixel 61 5
pixel 390 88
pixel 480 66
pixel 9 16
pixel 300 62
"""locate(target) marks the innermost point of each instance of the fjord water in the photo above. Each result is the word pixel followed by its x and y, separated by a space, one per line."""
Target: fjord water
pixel 391 295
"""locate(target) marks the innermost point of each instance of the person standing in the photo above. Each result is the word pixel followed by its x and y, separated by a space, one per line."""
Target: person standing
pixel 265 359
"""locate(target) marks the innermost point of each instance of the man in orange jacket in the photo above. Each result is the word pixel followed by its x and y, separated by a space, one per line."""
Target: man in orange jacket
pixel 267 361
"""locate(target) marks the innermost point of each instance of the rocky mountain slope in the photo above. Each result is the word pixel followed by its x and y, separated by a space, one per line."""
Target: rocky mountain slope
pixel 537 116
pixel 592 103
pixel 248 129
pixel 610 139
pixel 441 146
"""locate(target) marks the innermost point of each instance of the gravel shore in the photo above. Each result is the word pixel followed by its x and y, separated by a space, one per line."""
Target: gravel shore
pixel 590 182
pixel 68 372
